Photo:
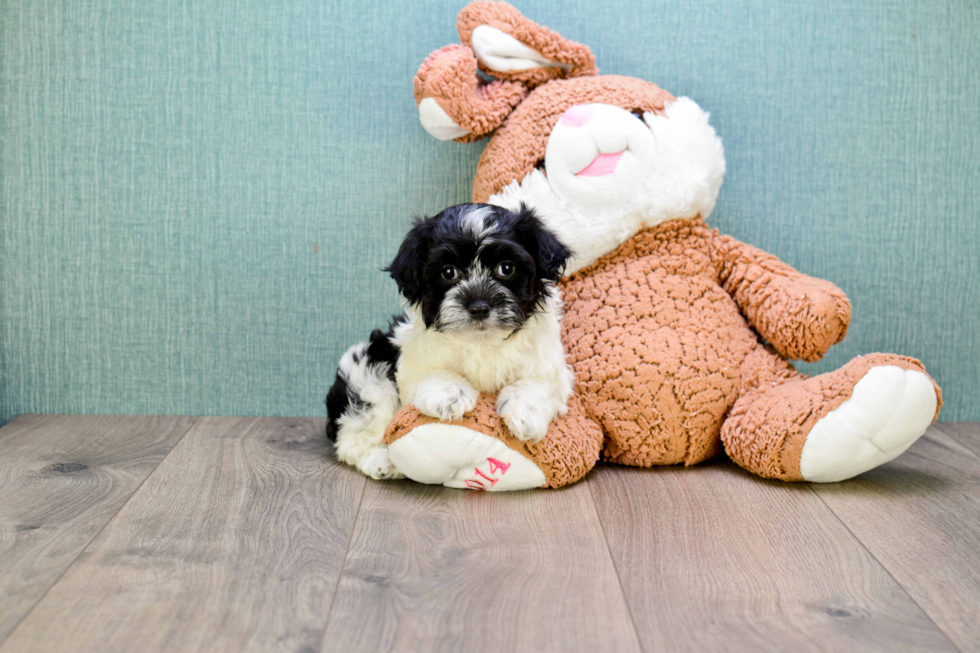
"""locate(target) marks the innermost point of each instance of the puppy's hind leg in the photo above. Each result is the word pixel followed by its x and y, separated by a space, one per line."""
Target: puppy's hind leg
pixel 361 403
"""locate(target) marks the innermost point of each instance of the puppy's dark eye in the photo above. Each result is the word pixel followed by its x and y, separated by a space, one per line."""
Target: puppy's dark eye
pixel 449 273
pixel 505 270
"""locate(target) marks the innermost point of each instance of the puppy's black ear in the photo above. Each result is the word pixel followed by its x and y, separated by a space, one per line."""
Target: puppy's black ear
pixel 407 267
pixel 549 253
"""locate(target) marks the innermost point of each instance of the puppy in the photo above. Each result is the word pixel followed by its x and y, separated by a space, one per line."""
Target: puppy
pixel 483 316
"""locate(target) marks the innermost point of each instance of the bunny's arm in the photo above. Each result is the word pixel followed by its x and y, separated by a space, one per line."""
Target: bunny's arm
pixel 799 315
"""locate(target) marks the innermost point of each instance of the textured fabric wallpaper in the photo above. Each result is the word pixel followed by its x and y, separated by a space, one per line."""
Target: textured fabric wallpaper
pixel 196 197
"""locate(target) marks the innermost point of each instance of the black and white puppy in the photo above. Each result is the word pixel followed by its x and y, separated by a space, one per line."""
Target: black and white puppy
pixel 483 316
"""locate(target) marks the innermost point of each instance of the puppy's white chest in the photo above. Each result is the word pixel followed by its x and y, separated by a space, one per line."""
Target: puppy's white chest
pixel 487 367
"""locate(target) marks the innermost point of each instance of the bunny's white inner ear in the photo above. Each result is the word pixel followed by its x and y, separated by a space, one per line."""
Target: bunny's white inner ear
pixel 500 51
pixel 437 122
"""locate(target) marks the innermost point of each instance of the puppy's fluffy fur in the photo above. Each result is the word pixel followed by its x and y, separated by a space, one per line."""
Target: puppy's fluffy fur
pixel 483 316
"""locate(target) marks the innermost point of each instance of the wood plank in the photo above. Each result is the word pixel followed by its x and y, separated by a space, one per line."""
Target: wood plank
pixel 235 543
pixel 430 568
pixel 713 558
pixel 966 434
pixel 920 517
pixel 62 478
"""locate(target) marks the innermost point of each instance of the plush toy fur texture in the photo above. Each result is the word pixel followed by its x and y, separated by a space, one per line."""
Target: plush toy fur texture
pixel 680 337
pixel 453 84
pixel 572 59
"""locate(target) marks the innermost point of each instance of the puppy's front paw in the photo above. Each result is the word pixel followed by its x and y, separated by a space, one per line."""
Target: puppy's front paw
pixel 377 464
pixel 527 420
pixel 446 400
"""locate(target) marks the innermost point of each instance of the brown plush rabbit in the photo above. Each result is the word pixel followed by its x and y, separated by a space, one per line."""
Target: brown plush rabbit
pixel 667 322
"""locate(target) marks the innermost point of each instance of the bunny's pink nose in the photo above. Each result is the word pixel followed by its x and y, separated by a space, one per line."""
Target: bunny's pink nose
pixel 577 115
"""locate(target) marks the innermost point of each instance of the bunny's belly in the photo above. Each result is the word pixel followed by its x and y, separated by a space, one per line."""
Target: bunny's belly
pixel 658 360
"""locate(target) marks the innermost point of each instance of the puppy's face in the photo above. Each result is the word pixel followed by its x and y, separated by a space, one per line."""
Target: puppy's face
pixel 478 268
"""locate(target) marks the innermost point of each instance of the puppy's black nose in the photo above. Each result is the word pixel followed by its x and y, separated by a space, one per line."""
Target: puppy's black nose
pixel 479 309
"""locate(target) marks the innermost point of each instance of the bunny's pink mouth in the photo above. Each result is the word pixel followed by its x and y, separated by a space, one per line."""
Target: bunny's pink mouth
pixel 604 164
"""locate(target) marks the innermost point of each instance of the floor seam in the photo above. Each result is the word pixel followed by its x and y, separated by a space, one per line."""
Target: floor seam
pixel 612 561
pixel 343 565
pixel 74 561
pixel 885 569
pixel 952 436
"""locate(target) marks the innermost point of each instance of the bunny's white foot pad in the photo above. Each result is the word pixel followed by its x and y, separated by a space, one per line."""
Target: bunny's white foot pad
pixel 888 410
pixel 459 457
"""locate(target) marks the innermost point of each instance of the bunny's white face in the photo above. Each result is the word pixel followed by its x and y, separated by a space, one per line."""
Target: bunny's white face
pixel 598 155
pixel 609 173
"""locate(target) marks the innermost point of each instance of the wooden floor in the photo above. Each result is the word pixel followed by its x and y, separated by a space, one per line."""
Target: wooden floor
pixel 242 534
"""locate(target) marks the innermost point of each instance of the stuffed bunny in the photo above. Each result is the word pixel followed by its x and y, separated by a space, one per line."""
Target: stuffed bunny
pixel 679 337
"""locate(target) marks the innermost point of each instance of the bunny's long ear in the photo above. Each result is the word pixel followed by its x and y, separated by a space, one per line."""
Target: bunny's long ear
pixel 454 103
pixel 511 47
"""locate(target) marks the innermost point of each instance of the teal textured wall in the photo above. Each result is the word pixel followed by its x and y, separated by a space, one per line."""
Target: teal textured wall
pixel 196 197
